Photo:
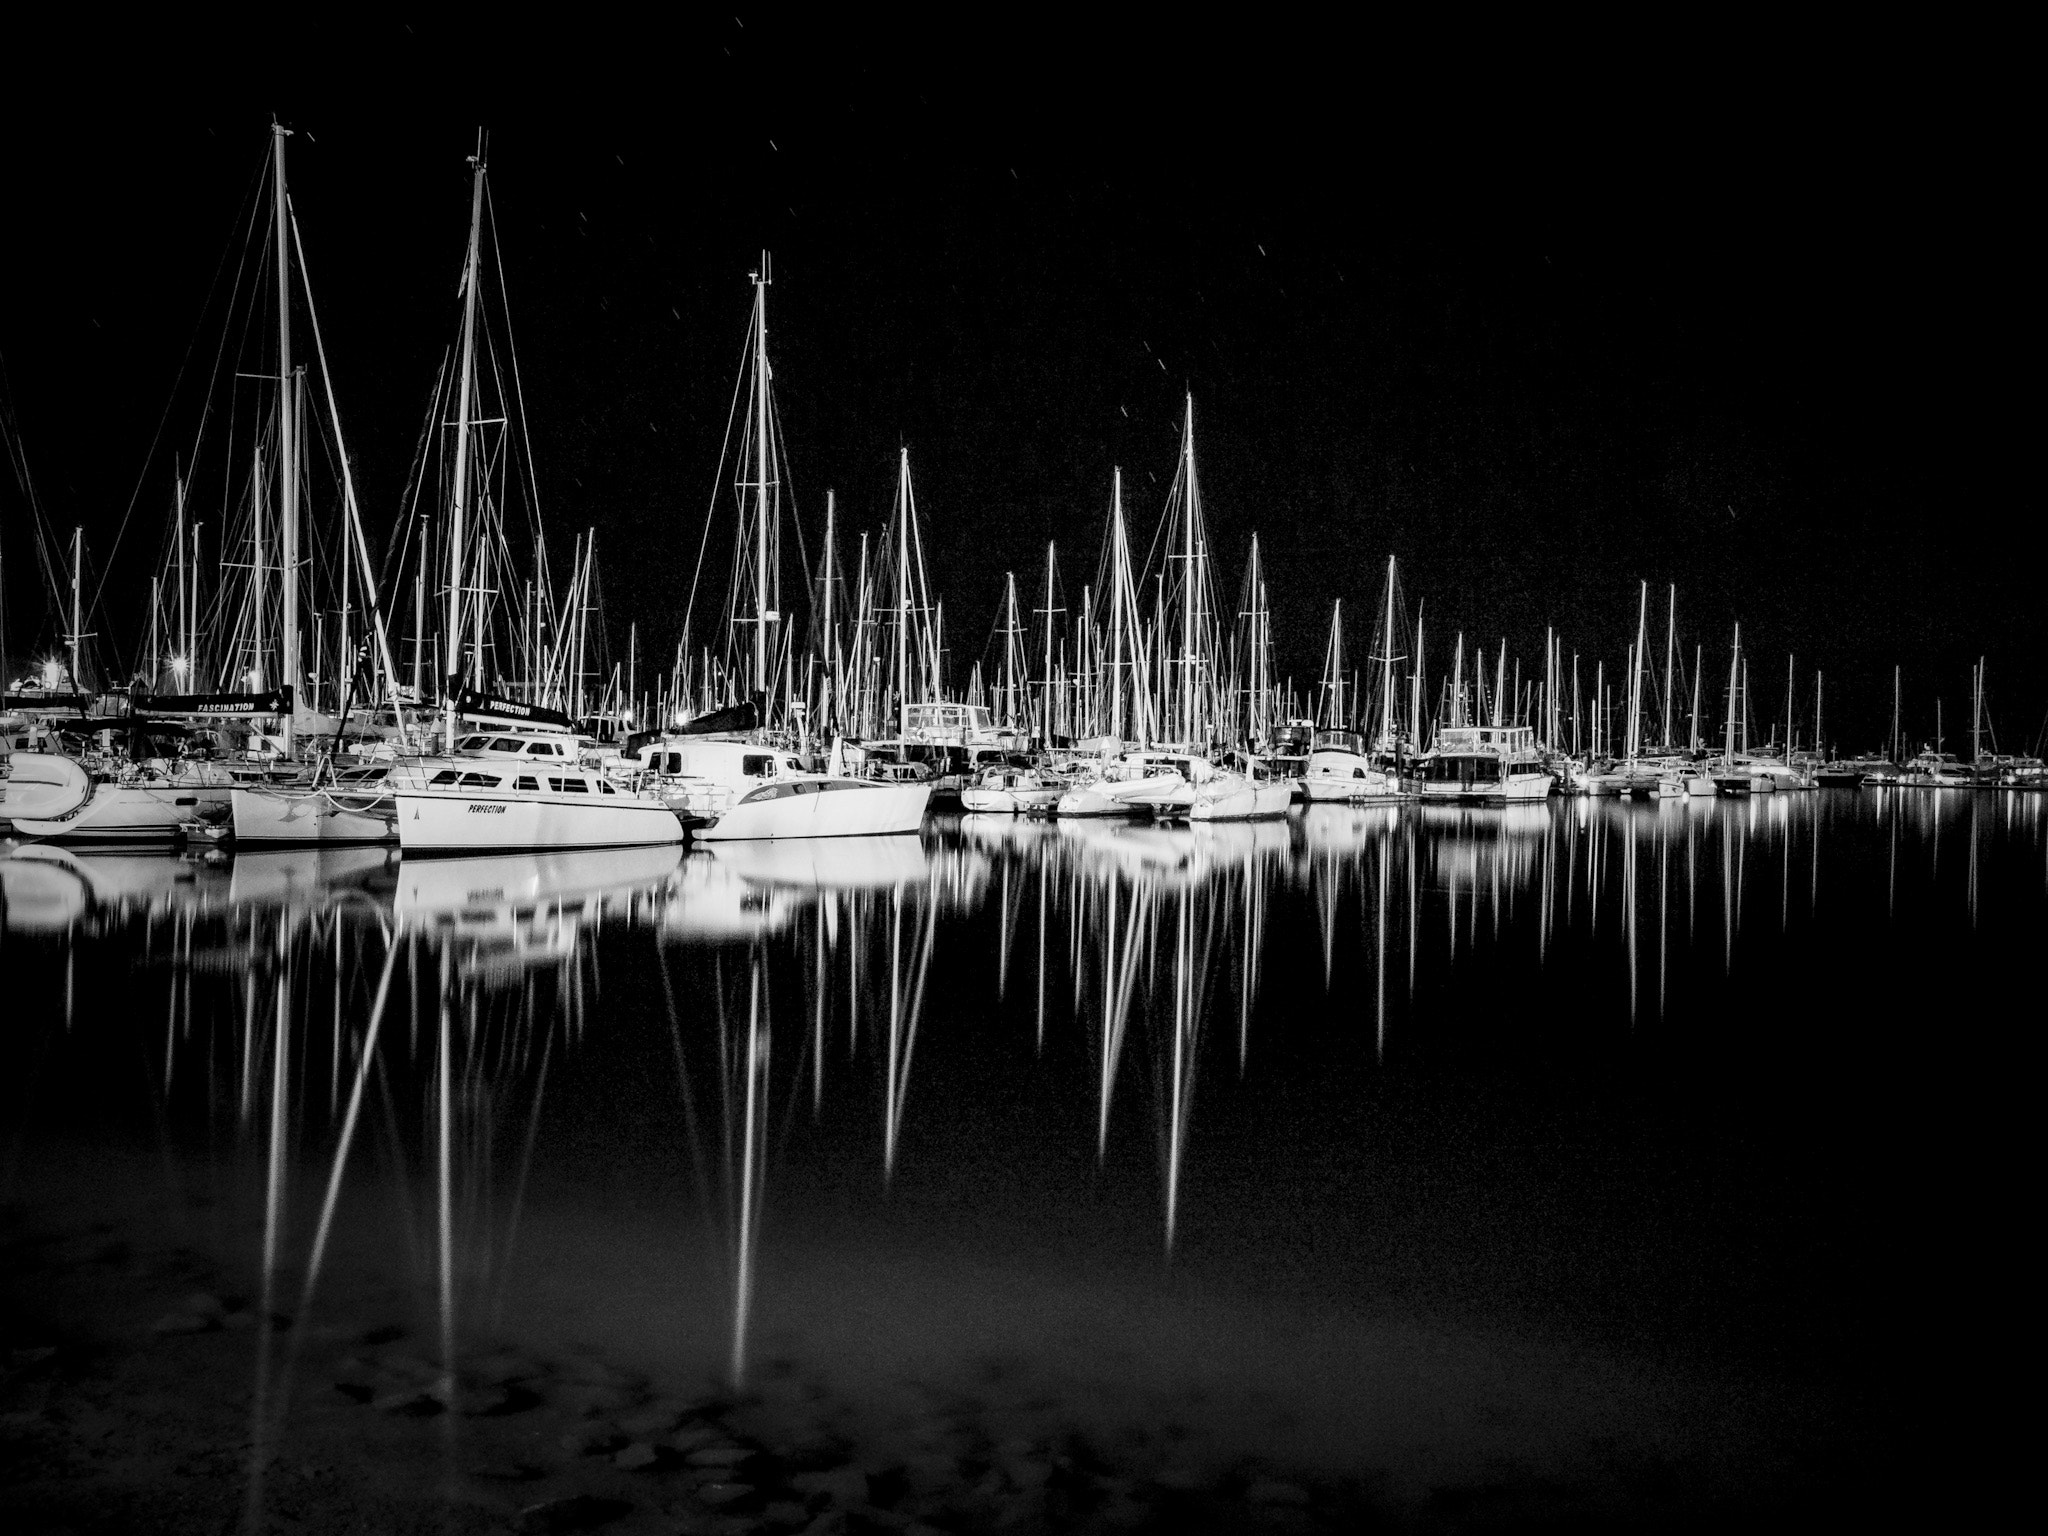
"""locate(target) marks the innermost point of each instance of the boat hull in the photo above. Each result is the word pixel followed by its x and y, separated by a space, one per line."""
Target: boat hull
pixel 313 817
pixel 825 808
pixel 459 823
pixel 1515 789
pixel 1119 797
pixel 1008 802
pixel 127 813
pixel 1246 801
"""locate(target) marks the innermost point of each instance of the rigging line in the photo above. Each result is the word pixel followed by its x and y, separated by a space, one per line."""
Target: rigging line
pixel 512 350
pixel 718 481
pixel 156 438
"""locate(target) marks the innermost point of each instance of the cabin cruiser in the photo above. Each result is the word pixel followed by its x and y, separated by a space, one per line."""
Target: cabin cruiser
pixel 1937 770
pixel 1012 790
pixel 1339 772
pixel 508 790
pixel 729 790
pixel 1485 762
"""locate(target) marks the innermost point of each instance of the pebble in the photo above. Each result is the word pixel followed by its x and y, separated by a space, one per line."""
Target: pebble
pixel 719 1456
pixel 655 1419
pixel 1277 1493
pixel 583 1512
pixel 592 1440
pixel 844 1486
pixel 408 1402
pixel 724 1495
pixel 636 1456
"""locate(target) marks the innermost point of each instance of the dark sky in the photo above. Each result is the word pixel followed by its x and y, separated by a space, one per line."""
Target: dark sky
pixel 1747 326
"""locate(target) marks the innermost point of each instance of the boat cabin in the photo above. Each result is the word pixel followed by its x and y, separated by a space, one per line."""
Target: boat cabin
pixel 1473 756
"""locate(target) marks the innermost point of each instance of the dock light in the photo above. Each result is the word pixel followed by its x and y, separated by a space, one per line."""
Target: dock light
pixel 249 677
pixel 52 670
pixel 178 665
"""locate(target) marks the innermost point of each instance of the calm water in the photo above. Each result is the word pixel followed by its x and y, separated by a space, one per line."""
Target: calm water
pixel 1570 1139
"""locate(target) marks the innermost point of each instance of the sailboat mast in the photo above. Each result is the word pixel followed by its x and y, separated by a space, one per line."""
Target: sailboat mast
pixel 1187 607
pixel 1045 720
pixel 763 513
pixel 181 659
pixel 1670 655
pixel 1116 606
pixel 458 506
pixel 1415 686
pixel 1387 731
pixel 77 611
pixel 903 594
pixel 1699 659
pixel 1734 676
pixel 288 432
pixel 830 636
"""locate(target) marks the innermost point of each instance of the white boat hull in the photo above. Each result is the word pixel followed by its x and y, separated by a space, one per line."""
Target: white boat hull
pixel 127 813
pixel 1244 800
pixel 481 822
pixel 824 808
pixel 1008 802
pixel 313 816
pixel 1333 789
pixel 1119 797
pixel 1516 788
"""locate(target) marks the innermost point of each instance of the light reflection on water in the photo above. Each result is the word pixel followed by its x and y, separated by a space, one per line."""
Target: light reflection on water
pixel 307 1002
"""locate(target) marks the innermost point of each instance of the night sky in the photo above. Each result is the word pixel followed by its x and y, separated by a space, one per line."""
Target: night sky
pixel 1536 331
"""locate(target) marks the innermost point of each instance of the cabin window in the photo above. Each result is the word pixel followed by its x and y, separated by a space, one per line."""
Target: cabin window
pixel 481 781
pixel 526 781
pixel 675 762
pixel 575 786
pixel 792 765
pixel 472 743
pixel 506 744
pixel 605 787
pixel 445 776
pixel 758 766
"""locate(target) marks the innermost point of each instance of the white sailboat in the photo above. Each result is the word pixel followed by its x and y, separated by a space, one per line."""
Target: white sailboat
pixel 733 777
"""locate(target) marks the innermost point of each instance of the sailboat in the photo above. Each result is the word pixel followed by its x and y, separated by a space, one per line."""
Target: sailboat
pixel 728 771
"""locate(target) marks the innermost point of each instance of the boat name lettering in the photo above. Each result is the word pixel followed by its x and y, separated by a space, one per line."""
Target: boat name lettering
pixel 487 810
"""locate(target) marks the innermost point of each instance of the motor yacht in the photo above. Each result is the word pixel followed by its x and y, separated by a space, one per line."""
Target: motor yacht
pixel 1485 762
pixel 731 790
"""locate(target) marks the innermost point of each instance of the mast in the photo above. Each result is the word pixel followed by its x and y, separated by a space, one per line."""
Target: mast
pixel 77 611
pixel 458 506
pixel 1898 756
pixel 1977 712
pixel 1635 673
pixel 1045 730
pixel 288 431
pixel 903 594
pixel 257 676
pixel 832 699
pixel 1458 683
pixel 1500 687
pixel 181 655
pixel 1189 510
pixel 1670 655
pixel 763 509
pixel 1388 732
pixel 1698 663
pixel 1415 686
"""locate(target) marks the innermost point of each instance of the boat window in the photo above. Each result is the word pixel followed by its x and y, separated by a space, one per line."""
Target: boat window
pixel 605 787
pixel 526 781
pixel 675 762
pixel 471 743
pixel 445 776
pixel 571 786
pixel 481 781
pixel 757 766
pixel 506 744
pixel 769 792
pixel 792 765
